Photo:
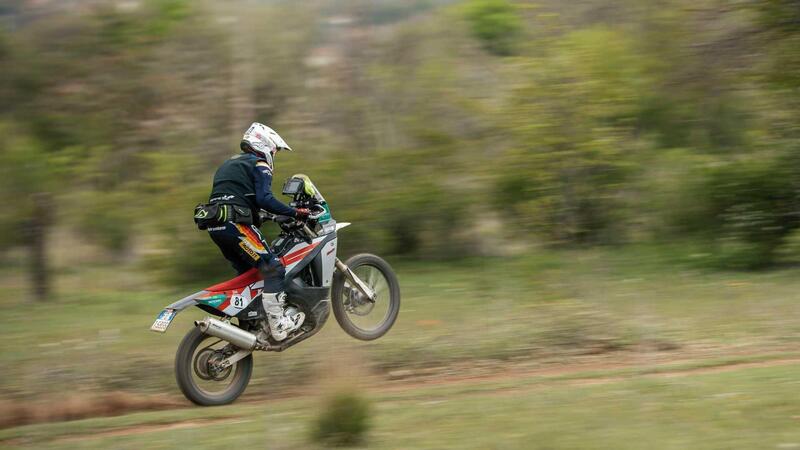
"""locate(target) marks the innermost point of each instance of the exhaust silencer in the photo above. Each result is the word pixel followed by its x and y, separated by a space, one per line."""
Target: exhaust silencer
pixel 227 332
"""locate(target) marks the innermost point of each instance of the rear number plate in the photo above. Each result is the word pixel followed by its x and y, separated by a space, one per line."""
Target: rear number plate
pixel 163 320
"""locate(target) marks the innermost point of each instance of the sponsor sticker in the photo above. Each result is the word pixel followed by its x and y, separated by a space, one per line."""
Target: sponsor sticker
pixel 221 198
pixel 213 301
pixel 248 250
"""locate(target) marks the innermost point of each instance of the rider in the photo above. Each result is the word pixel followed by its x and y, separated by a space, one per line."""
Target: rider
pixel 242 186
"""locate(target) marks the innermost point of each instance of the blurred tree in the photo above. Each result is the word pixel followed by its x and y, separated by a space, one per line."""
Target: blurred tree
pixel 408 127
pixel 27 180
pixel 780 21
pixel 495 23
pixel 37 232
pixel 573 121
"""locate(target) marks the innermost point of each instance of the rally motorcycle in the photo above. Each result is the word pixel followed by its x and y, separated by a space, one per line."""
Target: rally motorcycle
pixel 214 361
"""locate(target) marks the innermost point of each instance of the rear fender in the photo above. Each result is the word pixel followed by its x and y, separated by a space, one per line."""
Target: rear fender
pixel 187 301
pixel 166 316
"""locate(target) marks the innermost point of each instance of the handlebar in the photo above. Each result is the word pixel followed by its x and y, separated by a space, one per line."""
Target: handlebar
pixel 267 216
pixel 292 226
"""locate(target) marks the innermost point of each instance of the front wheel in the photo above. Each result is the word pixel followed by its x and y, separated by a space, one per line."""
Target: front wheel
pixel 357 315
pixel 198 376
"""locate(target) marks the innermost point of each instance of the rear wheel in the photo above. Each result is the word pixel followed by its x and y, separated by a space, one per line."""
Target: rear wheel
pixel 198 376
pixel 357 315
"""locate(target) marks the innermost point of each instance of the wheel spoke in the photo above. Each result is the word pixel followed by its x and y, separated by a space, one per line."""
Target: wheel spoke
pixel 365 314
pixel 372 275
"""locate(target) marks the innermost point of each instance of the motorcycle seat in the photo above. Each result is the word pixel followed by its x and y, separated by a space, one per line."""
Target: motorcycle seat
pixel 245 279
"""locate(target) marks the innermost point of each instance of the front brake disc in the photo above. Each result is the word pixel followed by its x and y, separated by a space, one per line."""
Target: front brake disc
pixel 358 303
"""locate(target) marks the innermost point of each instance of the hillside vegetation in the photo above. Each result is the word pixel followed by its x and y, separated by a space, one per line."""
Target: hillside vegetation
pixel 442 129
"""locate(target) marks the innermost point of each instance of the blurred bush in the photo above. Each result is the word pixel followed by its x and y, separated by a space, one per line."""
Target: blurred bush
pixel 744 210
pixel 189 258
pixel 789 251
pixel 495 23
pixel 107 219
pixel 572 121
pixel 343 421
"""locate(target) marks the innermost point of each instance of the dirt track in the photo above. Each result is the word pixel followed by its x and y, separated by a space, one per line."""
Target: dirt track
pixel 582 373
pixel 573 373
pixel 149 428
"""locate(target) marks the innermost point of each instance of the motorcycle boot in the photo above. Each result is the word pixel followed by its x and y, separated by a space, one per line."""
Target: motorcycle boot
pixel 281 319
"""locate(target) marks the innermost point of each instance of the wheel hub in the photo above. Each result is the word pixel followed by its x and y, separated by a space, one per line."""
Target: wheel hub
pixel 357 303
pixel 206 365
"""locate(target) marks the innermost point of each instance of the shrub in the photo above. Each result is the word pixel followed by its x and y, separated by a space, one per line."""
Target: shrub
pixel 568 171
pixel 107 219
pixel 789 251
pixel 495 23
pixel 344 421
pixel 744 209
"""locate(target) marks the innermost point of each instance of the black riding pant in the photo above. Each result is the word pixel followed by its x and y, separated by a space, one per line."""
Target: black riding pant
pixel 245 248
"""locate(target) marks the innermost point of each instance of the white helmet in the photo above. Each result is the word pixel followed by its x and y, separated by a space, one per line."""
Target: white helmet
pixel 263 141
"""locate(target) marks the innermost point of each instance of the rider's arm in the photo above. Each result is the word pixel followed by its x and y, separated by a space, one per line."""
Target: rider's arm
pixel 262 174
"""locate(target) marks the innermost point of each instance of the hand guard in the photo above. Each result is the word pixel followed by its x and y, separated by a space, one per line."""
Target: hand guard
pixel 301 213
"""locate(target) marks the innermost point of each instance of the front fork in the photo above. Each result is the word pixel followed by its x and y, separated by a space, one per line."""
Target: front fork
pixel 366 290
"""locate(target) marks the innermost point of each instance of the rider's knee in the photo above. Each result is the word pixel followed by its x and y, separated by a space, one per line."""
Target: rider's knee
pixel 272 269
pixel 280 271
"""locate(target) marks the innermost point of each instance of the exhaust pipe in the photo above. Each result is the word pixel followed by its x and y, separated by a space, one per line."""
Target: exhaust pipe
pixel 227 332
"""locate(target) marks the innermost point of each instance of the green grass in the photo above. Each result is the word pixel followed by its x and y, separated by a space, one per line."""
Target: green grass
pixel 94 336
pixel 745 408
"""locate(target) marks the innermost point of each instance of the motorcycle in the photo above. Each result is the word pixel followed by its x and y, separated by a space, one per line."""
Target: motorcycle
pixel 214 360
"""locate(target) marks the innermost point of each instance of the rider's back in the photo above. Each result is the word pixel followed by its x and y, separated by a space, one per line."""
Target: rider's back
pixel 233 182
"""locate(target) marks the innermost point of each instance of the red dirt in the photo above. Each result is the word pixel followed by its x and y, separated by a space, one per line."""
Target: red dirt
pixel 137 429
pixel 74 407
